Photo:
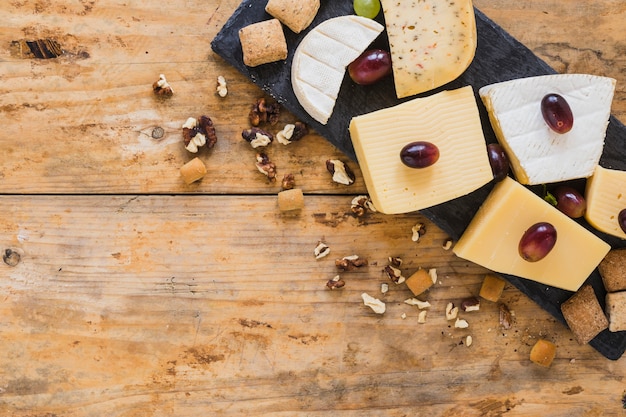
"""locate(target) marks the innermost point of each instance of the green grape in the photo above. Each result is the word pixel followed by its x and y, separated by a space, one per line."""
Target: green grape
pixel 367 8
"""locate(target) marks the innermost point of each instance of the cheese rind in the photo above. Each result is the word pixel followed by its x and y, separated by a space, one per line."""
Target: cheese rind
pixel 538 155
pixel 606 197
pixel 492 238
pixel 320 60
pixel 450 120
pixel 432 42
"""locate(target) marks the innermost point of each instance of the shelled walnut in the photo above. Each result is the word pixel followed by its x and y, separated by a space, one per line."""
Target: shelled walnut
pixel 341 172
pixel 257 137
pixel 265 166
pixel 264 112
pixel 161 87
pixel 198 132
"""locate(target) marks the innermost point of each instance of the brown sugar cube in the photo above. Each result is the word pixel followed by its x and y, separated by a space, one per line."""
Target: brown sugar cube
pixel 543 353
pixel 492 287
pixel 263 42
pixel 616 310
pixel 584 315
pixel 289 200
pixel 419 282
pixel 613 270
pixel 193 170
pixel 297 15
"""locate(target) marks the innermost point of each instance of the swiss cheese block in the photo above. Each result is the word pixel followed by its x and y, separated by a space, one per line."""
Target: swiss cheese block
pixel 492 238
pixel 320 61
pixel 431 42
pixel 539 155
pixel 448 119
pixel 606 197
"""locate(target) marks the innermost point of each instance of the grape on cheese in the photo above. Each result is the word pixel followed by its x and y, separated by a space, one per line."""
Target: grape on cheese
pixel 320 61
pixel 450 121
pixel 537 153
pixel 492 237
pixel 432 42
pixel 606 197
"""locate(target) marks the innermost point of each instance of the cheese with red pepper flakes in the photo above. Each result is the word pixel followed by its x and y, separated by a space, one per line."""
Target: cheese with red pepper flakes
pixel 431 42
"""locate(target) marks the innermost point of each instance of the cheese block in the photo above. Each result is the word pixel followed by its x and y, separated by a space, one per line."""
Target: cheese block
pixel 450 120
pixel 320 61
pixel 492 238
pixel 539 155
pixel 606 197
pixel 431 42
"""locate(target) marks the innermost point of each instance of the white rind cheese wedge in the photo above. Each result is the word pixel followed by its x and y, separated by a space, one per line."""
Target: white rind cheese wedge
pixel 320 61
pixel 432 42
pixel 538 155
pixel 492 239
pixel 450 120
pixel 606 197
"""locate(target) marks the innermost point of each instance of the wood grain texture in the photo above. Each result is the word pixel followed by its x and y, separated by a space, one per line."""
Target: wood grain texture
pixel 135 298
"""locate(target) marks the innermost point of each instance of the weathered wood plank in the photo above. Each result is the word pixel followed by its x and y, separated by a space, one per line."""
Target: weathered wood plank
pixel 153 306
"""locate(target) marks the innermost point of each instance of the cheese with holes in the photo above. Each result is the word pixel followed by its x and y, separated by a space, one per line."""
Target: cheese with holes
pixel 606 197
pixel 320 61
pixel 450 120
pixel 432 42
pixel 492 239
pixel 538 155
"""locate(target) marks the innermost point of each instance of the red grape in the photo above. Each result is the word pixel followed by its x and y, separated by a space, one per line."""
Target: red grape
pixel 371 66
pixel 419 154
pixel 498 160
pixel 537 242
pixel 621 219
pixel 557 113
pixel 570 201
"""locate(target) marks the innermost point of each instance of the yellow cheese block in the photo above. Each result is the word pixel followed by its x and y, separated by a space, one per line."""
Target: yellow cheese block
pixel 492 238
pixel 450 120
pixel 431 42
pixel 606 197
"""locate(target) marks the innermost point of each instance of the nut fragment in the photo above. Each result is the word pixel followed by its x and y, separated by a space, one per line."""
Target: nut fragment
pixel 349 263
pixel 461 324
pixel 421 318
pixel 288 182
pixel 264 112
pixel 417 302
pixel 222 88
pixel 257 137
pixel 374 303
pixel 418 231
pixel 335 283
pixel 292 132
pixel 470 304
pixel 361 204
pixel 394 274
pixel 395 261
pixel 447 244
pixel 265 166
pixel 506 319
pixel 198 132
pixel 11 257
pixel 452 311
pixel 468 341
pixel 384 288
pixel 161 87
pixel 321 250
pixel 341 172
pixel 432 272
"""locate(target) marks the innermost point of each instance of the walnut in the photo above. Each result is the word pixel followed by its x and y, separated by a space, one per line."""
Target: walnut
pixel 349 263
pixel 461 324
pixel 418 231
pixel 288 182
pixel 447 244
pixel 335 283
pixel 417 302
pixel 395 261
pixel 375 304
pixel 198 132
pixel 161 87
pixel 421 318
pixel 384 288
pixel 257 137
pixel 292 132
pixel 341 172
pixel 222 89
pixel 394 274
pixel 361 204
pixel 263 112
pixel 321 250
pixel 265 166
pixel 451 311
pixel 470 304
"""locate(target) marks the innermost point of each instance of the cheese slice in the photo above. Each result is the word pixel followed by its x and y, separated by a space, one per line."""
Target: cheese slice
pixel 538 155
pixel 432 42
pixel 320 60
pixel 606 197
pixel 492 238
pixel 450 120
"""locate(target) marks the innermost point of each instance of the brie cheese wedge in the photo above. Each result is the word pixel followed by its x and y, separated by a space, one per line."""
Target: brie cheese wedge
pixel 539 155
pixel 320 61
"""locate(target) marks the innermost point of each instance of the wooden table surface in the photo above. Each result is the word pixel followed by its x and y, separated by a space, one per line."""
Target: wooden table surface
pixel 137 295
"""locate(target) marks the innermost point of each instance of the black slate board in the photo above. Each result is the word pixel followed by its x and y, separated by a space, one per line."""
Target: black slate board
pixel 499 57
